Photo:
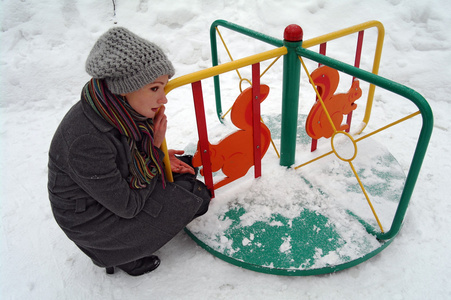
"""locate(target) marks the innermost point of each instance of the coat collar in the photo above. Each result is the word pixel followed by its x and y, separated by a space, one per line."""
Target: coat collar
pixel 95 119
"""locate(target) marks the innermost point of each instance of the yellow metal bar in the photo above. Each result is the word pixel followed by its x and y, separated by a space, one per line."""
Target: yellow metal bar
pixel 225 45
pixel 366 196
pixel 377 54
pixel 315 159
pixel 387 126
pixel 263 73
pixel 343 32
pixel 228 52
pixel 225 114
pixel 223 68
pixel 166 162
pixel 275 148
pixel 270 138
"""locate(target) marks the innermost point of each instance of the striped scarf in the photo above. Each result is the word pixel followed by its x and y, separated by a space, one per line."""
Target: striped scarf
pixel 138 129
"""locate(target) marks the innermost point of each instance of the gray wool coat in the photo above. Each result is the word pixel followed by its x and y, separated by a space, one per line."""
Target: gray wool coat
pixel 91 198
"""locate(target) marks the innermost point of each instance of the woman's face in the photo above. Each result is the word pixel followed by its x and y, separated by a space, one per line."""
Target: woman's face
pixel 148 100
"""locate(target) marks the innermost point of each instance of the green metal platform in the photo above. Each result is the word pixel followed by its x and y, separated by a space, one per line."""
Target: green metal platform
pixel 303 222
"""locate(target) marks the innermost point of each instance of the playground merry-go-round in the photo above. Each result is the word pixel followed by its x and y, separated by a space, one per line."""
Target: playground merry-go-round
pixel 302 194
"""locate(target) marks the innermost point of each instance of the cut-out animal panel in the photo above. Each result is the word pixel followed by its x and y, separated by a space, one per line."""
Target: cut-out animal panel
pixel 234 154
pixel 317 124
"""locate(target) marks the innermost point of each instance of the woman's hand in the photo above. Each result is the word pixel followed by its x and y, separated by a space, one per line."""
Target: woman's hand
pixel 160 123
pixel 178 166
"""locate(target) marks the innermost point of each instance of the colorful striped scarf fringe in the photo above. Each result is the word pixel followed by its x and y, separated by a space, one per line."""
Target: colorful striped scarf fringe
pixel 138 129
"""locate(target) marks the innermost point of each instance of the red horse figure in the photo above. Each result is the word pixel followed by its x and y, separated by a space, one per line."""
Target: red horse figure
pixel 317 124
pixel 234 154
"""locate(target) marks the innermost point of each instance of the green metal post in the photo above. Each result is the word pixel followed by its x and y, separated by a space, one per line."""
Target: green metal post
pixel 290 94
pixel 215 61
pixel 214 52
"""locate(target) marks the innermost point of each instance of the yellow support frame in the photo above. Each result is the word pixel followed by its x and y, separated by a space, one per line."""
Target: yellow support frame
pixel 210 72
pixel 243 62
pixel 223 68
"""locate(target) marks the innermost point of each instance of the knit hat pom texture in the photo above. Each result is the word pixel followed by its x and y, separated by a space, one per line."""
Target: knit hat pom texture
pixel 126 62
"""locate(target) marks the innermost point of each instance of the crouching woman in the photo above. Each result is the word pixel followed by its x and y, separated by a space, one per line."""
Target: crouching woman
pixel 106 184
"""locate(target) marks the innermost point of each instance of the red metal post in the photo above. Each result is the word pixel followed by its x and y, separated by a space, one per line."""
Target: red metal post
pixel 322 50
pixel 256 119
pixel 203 136
pixel 358 54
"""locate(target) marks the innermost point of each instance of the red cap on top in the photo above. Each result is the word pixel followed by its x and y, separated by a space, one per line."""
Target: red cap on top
pixel 293 33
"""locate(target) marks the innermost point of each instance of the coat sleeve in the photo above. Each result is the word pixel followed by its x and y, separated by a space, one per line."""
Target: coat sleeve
pixel 94 167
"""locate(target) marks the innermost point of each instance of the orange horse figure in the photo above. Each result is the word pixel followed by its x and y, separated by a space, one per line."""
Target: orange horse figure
pixel 234 154
pixel 317 124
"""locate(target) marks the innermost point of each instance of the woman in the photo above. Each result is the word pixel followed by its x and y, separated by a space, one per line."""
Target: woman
pixel 106 180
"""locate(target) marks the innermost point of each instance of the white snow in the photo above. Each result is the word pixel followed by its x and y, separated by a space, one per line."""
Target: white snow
pixel 44 45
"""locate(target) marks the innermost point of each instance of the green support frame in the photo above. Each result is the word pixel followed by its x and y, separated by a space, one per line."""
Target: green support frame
pixel 289 106
pixel 289 126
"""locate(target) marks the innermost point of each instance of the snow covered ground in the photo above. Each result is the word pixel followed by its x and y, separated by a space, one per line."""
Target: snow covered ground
pixel 44 45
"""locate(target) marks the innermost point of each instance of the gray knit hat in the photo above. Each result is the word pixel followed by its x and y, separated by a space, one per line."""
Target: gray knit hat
pixel 126 61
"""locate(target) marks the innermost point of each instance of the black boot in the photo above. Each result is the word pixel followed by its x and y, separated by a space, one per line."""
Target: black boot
pixel 141 266
pixel 109 270
pixel 138 267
